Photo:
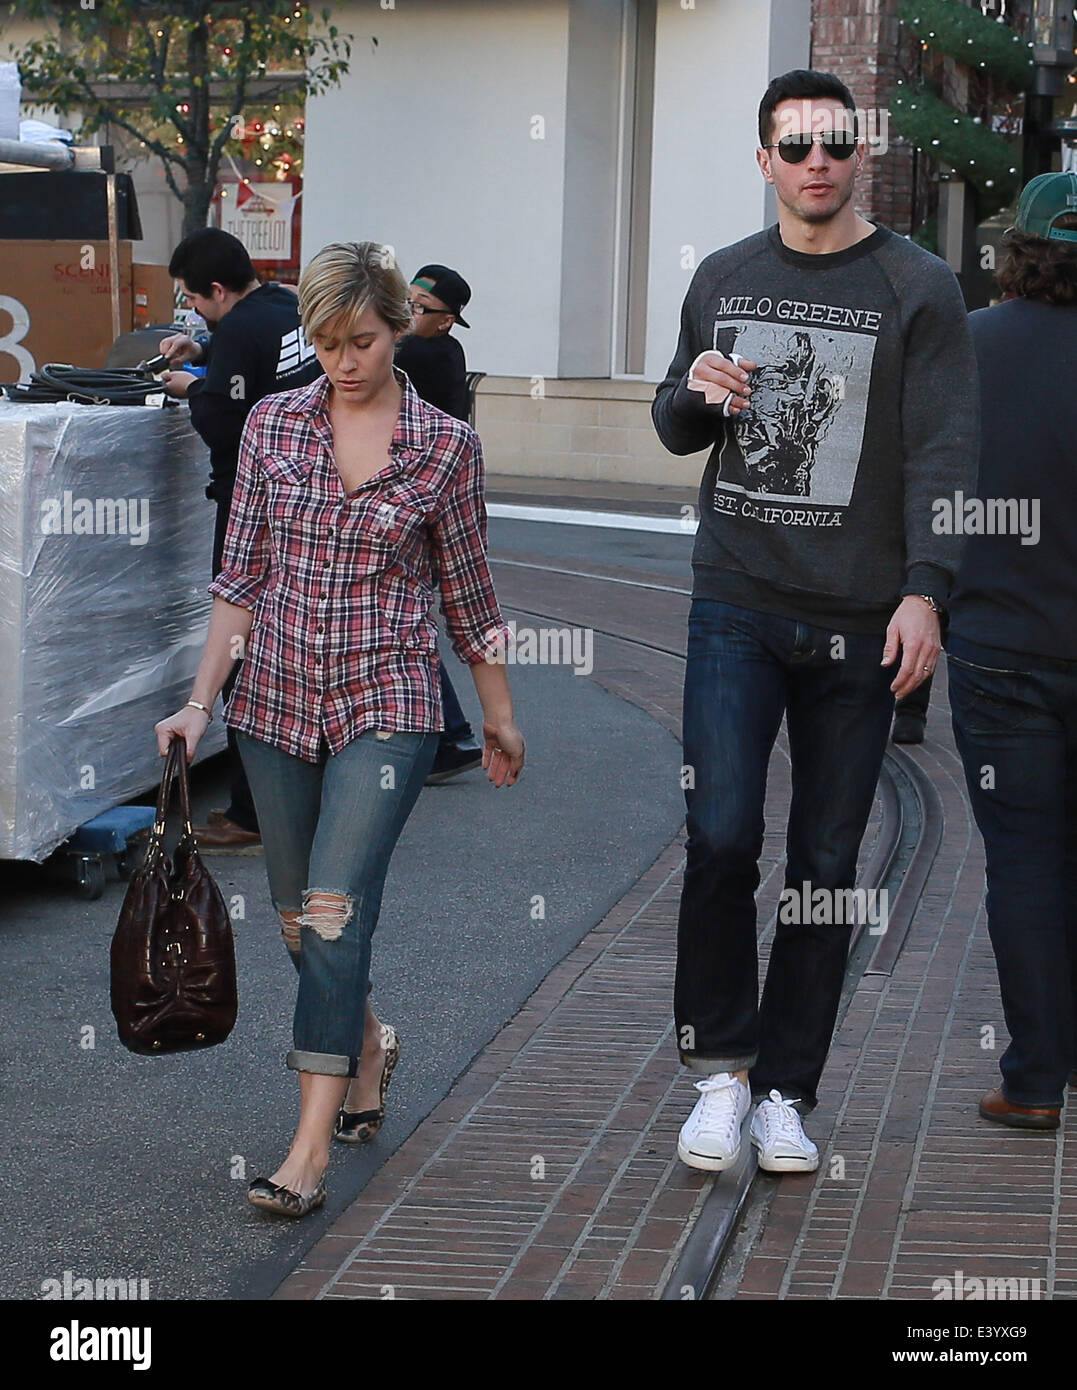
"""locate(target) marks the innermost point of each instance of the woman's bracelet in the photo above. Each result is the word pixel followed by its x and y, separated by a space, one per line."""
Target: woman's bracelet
pixel 204 708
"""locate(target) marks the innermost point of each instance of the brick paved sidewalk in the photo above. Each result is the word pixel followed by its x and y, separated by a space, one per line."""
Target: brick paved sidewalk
pixel 550 1170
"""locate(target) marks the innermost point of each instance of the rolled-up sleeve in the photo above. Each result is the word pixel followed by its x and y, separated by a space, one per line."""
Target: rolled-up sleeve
pixel 246 556
pixel 458 542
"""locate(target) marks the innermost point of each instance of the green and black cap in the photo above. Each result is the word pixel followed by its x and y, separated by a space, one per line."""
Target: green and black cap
pixel 1044 200
pixel 445 284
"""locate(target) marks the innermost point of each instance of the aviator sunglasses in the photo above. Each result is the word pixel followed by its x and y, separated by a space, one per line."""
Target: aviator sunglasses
pixel 794 149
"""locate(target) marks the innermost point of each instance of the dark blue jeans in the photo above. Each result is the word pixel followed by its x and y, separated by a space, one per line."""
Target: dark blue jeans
pixel 745 669
pixel 1016 731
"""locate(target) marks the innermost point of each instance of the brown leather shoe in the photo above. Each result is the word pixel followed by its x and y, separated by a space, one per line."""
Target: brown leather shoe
pixel 222 836
pixel 995 1106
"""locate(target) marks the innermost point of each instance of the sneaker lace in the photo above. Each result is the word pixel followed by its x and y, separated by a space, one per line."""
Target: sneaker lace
pixel 782 1120
pixel 719 1104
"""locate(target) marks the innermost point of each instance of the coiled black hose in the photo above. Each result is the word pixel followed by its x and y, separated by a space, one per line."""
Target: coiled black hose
pixel 88 386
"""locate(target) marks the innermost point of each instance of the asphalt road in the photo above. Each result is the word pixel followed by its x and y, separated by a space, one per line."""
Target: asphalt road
pixel 120 1166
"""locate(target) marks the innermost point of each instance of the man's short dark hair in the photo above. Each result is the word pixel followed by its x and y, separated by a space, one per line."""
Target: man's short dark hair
pixel 802 84
pixel 1032 267
pixel 210 255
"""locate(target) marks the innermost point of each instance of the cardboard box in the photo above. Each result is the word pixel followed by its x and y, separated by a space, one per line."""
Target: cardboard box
pixel 56 304
pixel 154 295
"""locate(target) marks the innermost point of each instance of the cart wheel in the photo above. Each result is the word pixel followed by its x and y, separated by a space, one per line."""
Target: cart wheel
pixel 123 866
pixel 90 880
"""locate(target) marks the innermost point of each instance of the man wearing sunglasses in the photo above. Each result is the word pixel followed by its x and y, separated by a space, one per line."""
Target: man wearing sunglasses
pixel 828 366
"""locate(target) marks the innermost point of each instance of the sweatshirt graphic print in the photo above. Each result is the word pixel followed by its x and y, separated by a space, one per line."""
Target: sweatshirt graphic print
pixel 803 434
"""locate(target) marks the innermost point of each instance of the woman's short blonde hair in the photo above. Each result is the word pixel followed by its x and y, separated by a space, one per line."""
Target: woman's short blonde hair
pixel 345 278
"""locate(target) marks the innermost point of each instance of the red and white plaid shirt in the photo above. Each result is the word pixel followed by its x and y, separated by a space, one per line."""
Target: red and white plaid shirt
pixel 342 584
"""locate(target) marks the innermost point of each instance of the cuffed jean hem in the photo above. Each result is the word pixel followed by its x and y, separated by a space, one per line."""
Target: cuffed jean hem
pixel 708 1066
pixel 1026 1099
pixel 322 1063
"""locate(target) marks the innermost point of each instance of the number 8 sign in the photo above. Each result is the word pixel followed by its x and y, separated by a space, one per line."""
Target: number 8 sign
pixel 20 326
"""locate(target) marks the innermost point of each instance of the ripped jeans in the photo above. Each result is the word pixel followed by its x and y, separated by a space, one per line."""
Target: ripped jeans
pixel 329 830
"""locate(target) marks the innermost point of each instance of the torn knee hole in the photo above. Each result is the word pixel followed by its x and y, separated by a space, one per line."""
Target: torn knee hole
pixel 289 929
pixel 326 913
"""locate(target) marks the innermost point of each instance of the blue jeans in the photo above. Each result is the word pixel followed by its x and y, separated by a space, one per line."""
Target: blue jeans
pixel 745 669
pixel 331 827
pixel 1016 731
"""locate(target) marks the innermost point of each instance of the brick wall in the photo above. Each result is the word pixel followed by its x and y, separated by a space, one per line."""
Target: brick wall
pixel 861 42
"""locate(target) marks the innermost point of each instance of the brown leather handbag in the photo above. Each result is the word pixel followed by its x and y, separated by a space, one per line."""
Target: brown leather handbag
pixel 173 955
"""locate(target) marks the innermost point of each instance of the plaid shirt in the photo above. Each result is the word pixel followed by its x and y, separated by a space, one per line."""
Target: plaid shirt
pixel 342 584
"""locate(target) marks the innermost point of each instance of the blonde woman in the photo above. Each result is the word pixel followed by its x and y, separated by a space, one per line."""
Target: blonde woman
pixel 352 495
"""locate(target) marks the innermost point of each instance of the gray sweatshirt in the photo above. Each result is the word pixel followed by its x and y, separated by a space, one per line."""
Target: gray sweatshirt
pixel 817 505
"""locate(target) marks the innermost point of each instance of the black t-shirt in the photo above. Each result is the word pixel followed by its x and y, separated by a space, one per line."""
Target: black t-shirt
pixel 437 370
pixel 257 349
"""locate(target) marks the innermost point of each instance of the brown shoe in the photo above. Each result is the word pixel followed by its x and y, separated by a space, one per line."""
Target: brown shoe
pixel 995 1106
pixel 222 836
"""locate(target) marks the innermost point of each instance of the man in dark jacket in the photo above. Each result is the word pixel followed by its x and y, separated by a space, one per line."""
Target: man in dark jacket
pixel 256 347
pixel 1011 653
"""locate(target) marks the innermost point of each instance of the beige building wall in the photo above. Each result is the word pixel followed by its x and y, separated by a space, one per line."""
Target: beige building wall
pixel 593 430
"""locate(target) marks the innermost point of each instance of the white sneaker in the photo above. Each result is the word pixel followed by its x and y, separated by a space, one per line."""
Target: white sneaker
pixel 779 1136
pixel 710 1137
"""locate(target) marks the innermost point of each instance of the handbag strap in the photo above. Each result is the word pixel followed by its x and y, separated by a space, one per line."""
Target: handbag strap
pixel 175 763
pixel 180 745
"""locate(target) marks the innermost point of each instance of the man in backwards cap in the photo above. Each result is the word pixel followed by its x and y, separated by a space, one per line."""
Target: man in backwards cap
pixel 433 360
pixel 435 365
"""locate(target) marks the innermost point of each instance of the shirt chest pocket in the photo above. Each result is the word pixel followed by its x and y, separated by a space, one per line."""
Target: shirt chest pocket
pixel 287 470
pixel 389 531
pixel 291 504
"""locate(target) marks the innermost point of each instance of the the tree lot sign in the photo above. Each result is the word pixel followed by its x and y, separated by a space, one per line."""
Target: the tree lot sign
pixel 264 217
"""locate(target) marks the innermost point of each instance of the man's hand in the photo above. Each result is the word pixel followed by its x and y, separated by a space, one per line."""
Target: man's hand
pixel 914 629
pixel 721 380
pixel 176 383
pixel 180 348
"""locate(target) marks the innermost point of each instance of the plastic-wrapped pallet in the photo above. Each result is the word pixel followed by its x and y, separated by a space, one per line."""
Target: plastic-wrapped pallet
pixel 106 543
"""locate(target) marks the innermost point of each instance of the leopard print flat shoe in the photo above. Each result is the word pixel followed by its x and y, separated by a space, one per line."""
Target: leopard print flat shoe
pixel 360 1126
pixel 268 1196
